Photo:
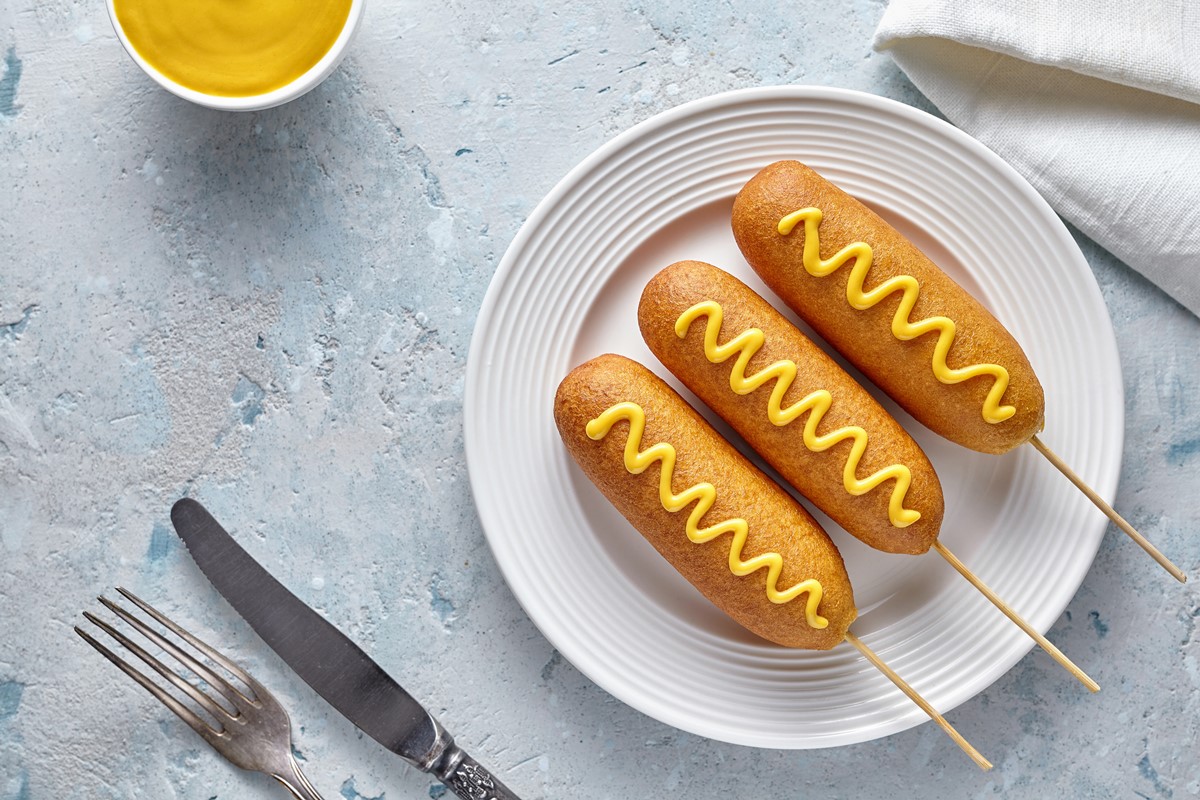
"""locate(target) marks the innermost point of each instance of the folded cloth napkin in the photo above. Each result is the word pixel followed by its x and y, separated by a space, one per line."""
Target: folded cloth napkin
pixel 1095 102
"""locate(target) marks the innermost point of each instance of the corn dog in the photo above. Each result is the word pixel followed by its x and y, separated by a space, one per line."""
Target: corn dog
pixel 971 383
pixel 815 425
pixel 874 296
pixel 794 405
pixel 771 567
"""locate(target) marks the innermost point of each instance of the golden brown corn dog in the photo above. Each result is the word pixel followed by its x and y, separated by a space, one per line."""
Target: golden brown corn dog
pixel 731 531
pixel 794 405
pixel 609 409
pixel 888 309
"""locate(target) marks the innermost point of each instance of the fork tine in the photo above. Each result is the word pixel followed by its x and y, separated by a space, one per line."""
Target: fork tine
pixel 216 656
pixel 183 712
pixel 259 736
pixel 216 709
pixel 227 690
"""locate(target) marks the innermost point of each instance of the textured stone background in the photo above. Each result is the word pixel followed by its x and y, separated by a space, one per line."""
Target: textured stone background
pixel 271 312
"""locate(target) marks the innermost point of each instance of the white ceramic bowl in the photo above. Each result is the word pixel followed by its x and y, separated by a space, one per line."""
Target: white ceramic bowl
pixel 306 82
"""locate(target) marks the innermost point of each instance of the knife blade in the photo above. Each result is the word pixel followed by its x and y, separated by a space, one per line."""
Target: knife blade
pixel 327 660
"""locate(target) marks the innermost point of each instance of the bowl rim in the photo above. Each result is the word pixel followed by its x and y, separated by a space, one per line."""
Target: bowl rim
pixel 302 84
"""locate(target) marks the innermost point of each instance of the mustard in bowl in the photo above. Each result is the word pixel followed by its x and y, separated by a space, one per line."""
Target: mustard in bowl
pixel 236 54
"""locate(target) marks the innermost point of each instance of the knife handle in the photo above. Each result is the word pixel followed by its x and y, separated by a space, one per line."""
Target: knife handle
pixel 467 778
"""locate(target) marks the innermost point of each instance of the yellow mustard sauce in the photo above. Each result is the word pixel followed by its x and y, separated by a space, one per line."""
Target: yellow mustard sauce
pixel 902 327
pixel 704 495
pixel 232 48
pixel 745 345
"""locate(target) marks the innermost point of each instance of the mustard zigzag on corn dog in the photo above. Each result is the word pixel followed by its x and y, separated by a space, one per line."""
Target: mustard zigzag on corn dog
pixel 902 328
pixel 816 404
pixel 704 495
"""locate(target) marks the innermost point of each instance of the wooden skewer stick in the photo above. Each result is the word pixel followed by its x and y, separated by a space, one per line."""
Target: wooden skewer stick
pixel 1042 641
pixel 1120 522
pixel 975 755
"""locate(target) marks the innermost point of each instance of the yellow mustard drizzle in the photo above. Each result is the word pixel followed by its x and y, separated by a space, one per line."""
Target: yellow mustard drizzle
pixel 902 328
pixel 745 345
pixel 703 495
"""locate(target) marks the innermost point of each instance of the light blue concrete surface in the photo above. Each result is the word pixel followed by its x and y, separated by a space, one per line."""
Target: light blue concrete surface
pixel 271 312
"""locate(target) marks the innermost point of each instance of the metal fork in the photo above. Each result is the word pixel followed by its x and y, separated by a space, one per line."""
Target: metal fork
pixel 255 735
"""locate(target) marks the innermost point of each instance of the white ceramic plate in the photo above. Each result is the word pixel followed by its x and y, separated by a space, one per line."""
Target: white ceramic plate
pixel 567 290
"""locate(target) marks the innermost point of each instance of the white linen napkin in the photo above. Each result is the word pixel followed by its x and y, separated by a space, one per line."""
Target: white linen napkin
pixel 1095 102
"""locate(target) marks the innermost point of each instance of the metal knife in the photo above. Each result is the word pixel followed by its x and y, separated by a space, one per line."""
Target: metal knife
pixel 328 661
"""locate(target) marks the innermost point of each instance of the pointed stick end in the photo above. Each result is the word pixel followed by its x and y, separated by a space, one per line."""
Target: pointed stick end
pixel 924 705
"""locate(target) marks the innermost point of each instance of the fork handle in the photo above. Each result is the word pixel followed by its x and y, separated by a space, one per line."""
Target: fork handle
pixel 294 781
pixel 467 778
